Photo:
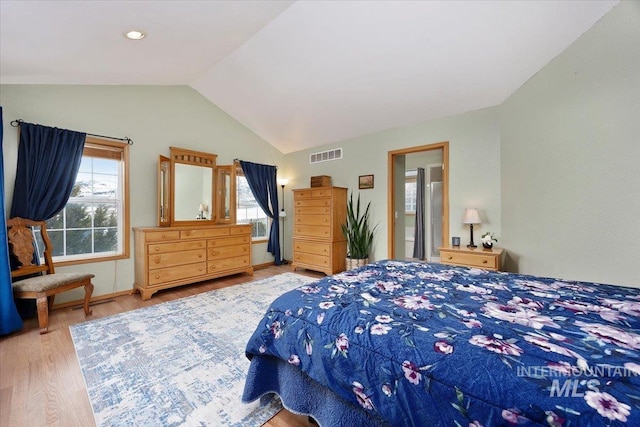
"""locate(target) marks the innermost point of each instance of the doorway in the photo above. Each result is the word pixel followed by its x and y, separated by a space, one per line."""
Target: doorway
pixel 402 212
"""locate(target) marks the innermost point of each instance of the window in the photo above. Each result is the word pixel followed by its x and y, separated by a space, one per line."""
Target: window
pixel 248 211
pixel 410 194
pixel 94 223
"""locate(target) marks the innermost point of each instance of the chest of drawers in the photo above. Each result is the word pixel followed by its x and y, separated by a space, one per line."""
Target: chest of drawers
pixel 488 259
pixel 318 242
pixel 172 256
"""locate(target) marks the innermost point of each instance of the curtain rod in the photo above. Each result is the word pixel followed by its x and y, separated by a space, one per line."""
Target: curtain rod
pixel 238 161
pixel 18 122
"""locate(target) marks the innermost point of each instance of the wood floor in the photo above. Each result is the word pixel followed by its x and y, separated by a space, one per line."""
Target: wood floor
pixel 40 379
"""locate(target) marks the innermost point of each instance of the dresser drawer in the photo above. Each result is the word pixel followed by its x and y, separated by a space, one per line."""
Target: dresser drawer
pixel 228 251
pixel 470 260
pixel 319 261
pixel 163 275
pixel 312 231
pixel 176 258
pixel 228 263
pixel 313 248
pixel 159 248
pixel 204 232
pixel 246 230
pixel 229 241
pixel 159 236
pixel 304 219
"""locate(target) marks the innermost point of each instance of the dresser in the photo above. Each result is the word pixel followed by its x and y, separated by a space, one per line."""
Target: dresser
pixel 488 259
pixel 166 257
pixel 318 242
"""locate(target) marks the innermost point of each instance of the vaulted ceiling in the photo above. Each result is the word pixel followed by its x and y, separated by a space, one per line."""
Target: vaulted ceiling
pixel 299 73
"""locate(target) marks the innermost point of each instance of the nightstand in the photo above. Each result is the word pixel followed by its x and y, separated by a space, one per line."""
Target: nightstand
pixel 489 259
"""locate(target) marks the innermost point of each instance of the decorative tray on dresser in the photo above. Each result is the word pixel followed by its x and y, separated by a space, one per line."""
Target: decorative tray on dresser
pixel 166 257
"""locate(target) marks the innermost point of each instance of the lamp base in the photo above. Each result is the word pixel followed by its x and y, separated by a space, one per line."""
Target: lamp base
pixel 284 262
pixel 471 246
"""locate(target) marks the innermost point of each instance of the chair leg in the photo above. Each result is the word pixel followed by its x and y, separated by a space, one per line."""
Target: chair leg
pixel 88 290
pixel 42 304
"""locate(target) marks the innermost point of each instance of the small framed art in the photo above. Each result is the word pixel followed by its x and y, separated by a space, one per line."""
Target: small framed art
pixel 365 182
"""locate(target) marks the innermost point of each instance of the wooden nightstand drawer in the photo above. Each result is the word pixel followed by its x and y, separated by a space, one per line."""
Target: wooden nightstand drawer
pixel 312 231
pixel 478 258
pixel 228 251
pixel 313 219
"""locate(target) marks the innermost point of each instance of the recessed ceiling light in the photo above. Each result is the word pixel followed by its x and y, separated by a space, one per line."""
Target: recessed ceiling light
pixel 135 35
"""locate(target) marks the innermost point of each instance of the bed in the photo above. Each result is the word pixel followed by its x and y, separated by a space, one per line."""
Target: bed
pixel 416 344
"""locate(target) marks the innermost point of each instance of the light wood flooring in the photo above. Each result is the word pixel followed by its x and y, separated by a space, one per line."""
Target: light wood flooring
pixel 40 380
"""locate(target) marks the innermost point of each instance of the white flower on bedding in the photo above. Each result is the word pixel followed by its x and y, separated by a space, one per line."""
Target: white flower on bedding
pixel 379 329
pixel 325 305
pixel 384 318
pixel 607 405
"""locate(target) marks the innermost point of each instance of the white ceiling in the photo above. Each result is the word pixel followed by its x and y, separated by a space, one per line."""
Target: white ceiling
pixel 299 74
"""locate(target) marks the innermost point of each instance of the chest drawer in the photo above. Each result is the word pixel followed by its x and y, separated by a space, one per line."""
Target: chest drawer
pixel 319 261
pixel 313 210
pixel 313 248
pixel 303 219
pixel 308 203
pixel 312 231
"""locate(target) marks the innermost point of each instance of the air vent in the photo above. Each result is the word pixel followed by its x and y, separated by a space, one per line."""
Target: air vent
pixel 325 156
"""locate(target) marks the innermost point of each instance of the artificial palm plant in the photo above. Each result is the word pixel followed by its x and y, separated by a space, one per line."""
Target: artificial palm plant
pixel 357 230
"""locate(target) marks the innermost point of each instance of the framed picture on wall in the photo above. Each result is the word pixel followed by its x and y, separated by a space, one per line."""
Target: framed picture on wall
pixel 365 182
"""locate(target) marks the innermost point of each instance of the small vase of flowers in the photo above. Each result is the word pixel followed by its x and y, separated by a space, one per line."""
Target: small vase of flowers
pixel 488 239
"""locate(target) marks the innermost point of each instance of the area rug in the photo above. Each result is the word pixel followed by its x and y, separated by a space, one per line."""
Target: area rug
pixel 179 363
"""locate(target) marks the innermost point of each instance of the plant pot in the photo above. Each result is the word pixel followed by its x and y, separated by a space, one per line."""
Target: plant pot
pixel 487 245
pixel 352 263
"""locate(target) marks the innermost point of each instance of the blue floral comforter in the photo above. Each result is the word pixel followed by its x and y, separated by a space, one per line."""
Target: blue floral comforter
pixel 422 344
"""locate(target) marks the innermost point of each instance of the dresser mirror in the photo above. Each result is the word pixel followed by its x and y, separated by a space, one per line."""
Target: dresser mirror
pixel 186 188
pixel 226 194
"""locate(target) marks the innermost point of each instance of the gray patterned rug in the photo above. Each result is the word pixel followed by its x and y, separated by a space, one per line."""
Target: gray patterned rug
pixel 179 363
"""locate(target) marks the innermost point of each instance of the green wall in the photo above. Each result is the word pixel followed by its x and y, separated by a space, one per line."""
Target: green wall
pixel 570 151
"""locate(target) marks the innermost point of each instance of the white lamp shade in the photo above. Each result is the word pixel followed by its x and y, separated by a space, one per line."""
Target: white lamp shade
pixel 471 216
pixel 282 182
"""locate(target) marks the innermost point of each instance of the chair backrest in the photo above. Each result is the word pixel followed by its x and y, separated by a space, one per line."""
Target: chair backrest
pixel 23 250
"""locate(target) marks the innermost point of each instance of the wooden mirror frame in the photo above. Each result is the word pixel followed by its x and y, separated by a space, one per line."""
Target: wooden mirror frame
pixel 167 205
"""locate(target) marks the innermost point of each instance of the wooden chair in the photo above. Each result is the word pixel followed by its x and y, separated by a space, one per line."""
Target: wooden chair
pixel 43 283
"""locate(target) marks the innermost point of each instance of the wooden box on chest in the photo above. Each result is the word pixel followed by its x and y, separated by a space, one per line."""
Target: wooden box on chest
pixel 318 242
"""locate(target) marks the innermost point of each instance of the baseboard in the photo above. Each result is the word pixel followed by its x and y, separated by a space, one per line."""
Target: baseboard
pixel 93 300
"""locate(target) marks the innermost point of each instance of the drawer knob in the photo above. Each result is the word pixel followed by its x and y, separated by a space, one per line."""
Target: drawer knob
pixel 157 276
pixel 157 260
pixel 156 249
pixel 484 261
pixel 200 256
pixel 450 257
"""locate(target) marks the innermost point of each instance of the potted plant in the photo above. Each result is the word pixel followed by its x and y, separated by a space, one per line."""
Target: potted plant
pixel 488 239
pixel 358 233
